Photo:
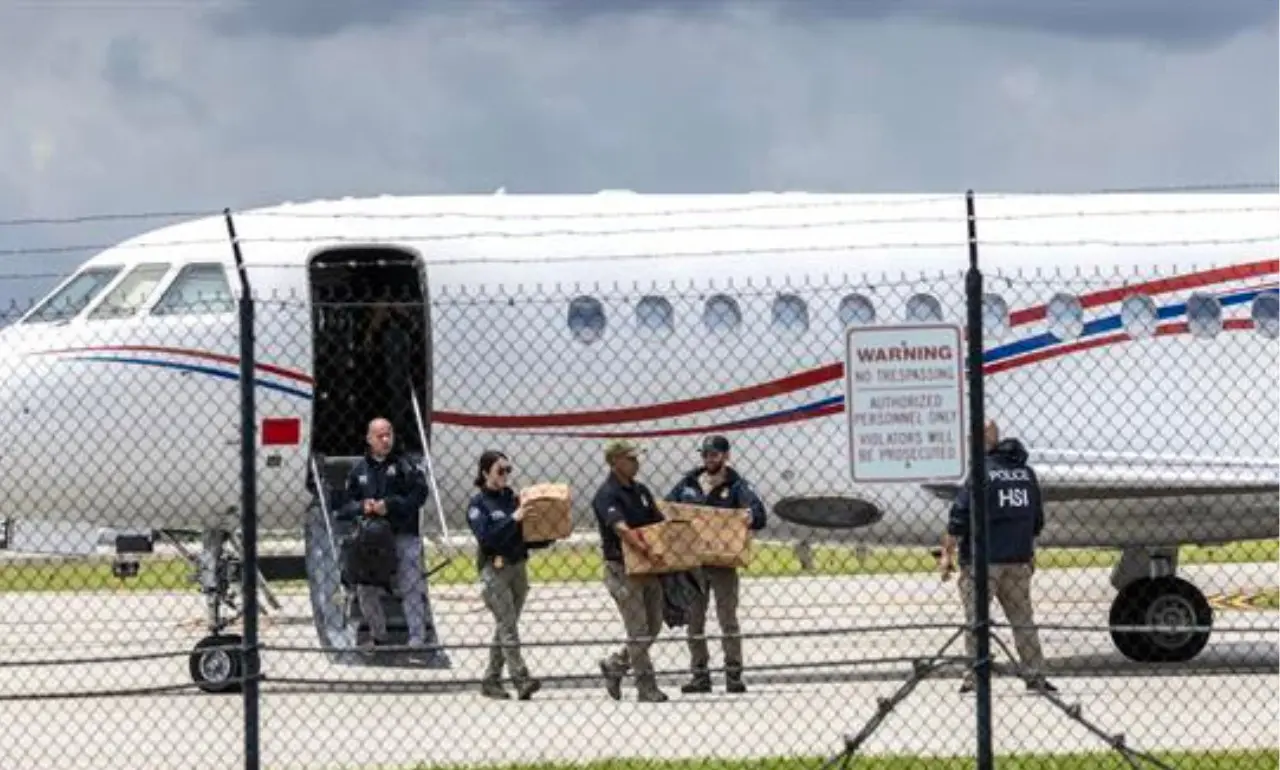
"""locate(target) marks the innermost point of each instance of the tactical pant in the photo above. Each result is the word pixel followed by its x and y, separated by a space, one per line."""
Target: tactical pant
pixel 723 582
pixel 1010 584
pixel 504 592
pixel 639 600
pixel 412 590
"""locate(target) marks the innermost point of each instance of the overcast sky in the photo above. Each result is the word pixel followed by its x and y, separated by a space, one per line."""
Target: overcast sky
pixel 135 106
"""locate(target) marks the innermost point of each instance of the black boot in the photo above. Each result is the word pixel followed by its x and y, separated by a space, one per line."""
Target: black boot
pixel 700 683
pixel 491 688
pixel 733 682
pixel 648 691
pixel 526 687
pixel 612 679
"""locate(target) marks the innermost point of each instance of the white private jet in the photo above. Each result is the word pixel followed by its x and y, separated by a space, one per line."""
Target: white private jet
pixel 1130 343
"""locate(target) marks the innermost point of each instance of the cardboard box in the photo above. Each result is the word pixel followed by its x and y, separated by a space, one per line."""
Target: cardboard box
pixel 548 512
pixel 724 534
pixel 675 541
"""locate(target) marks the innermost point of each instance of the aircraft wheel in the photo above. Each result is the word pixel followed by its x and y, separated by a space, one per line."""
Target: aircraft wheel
pixel 1166 601
pixel 217 670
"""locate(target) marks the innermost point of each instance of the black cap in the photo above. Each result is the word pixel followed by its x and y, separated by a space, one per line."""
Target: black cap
pixel 715 444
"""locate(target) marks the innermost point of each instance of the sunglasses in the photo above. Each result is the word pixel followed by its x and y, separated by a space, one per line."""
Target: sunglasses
pixel 504 470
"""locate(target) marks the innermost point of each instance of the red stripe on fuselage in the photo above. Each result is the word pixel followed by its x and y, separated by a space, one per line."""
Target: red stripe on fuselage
pixel 1159 286
pixel 279 371
pixel 778 387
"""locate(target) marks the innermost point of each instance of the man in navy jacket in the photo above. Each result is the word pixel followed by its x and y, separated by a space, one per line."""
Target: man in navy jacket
pixel 716 484
pixel 1015 517
pixel 385 483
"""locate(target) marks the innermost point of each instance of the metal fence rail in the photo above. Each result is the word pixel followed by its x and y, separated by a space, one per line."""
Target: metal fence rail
pixel 181 475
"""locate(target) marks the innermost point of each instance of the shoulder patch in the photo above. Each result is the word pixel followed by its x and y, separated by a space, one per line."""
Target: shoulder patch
pixel 475 513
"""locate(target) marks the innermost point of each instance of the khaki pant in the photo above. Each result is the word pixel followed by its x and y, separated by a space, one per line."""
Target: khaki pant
pixel 1010 584
pixel 504 592
pixel 723 582
pixel 639 600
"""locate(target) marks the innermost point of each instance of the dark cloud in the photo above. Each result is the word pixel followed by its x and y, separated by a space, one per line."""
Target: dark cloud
pixel 311 18
pixel 153 111
pixel 1172 22
pixel 1175 22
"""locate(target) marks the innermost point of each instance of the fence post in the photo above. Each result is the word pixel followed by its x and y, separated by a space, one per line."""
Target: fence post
pixel 248 505
pixel 978 498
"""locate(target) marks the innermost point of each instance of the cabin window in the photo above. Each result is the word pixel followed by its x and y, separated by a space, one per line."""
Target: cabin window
pixel 856 309
pixel 721 314
pixel 995 316
pixel 655 318
pixel 1204 315
pixel 586 319
pixel 197 290
pixel 1066 317
pixel 74 296
pixel 1138 316
pixel 1266 315
pixel 128 296
pixel 924 308
pixel 790 314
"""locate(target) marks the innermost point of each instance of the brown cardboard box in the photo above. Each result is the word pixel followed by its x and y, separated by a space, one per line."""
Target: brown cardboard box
pixel 724 534
pixel 676 541
pixel 548 512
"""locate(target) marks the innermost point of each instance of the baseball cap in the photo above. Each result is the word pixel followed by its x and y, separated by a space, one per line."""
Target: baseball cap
pixel 620 447
pixel 715 444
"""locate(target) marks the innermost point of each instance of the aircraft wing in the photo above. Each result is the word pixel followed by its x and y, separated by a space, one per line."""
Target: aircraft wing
pixel 1066 476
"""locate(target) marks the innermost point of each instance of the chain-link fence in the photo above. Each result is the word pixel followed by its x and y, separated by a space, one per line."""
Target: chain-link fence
pixel 831 608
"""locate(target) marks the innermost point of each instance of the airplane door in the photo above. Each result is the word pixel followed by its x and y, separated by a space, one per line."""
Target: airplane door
pixel 371 347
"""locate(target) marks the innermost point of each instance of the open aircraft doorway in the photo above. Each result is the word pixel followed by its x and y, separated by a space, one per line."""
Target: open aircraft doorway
pixel 371 347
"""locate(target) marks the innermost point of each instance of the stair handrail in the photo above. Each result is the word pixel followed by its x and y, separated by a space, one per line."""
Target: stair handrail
pixel 429 467
pixel 324 508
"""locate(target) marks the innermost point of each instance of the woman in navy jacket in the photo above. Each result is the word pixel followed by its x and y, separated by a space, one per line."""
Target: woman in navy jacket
pixel 502 560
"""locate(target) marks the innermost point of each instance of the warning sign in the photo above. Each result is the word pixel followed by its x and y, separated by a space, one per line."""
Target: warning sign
pixel 905 403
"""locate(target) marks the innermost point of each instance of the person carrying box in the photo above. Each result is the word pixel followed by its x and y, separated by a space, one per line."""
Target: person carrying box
pixel 623 507
pixel 502 558
pixel 716 484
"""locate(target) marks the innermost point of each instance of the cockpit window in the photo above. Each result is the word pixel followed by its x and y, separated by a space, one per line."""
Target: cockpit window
pixel 198 289
pixel 74 296
pixel 133 291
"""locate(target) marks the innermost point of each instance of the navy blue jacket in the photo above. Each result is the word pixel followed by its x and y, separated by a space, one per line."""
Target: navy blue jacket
pixel 396 480
pixel 1015 512
pixel 735 492
pixel 490 515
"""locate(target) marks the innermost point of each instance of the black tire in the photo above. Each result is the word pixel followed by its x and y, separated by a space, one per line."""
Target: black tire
pixel 217 671
pixel 1160 601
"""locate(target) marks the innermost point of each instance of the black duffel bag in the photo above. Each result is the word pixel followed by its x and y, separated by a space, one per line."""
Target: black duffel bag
pixel 369 554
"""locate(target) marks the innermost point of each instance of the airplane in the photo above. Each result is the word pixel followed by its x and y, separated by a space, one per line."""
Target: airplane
pixel 1129 338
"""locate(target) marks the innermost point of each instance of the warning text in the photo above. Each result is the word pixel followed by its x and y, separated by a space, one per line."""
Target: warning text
pixel 905 403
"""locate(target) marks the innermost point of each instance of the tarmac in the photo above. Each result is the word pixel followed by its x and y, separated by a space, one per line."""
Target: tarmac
pixel 827 651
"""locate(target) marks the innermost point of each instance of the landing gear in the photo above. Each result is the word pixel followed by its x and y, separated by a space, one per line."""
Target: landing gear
pixel 217 662
pixel 1158 598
